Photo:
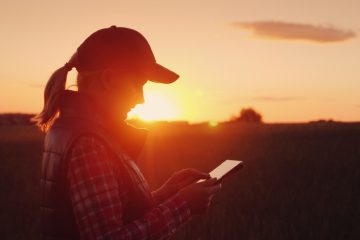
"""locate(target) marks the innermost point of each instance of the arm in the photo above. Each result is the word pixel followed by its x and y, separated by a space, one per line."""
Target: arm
pixel 97 200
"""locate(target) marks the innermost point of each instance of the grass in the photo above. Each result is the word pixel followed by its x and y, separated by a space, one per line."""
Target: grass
pixel 300 181
pixel 20 156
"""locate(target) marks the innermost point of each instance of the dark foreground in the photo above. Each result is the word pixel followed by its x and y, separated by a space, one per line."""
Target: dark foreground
pixel 299 181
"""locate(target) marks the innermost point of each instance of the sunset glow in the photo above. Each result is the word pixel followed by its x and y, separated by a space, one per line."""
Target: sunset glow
pixel 292 61
pixel 156 107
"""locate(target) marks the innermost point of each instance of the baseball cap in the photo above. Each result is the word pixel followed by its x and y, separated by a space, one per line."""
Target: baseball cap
pixel 122 49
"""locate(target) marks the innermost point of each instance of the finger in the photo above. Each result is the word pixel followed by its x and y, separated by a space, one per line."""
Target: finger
pixel 213 189
pixel 186 182
pixel 211 197
pixel 208 182
pixel 196 174
pixel 189 175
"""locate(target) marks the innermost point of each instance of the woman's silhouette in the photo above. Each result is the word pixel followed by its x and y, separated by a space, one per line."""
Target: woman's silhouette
pixel 91 185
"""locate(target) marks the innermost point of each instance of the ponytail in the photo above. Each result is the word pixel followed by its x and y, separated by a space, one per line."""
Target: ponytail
pixel 53 91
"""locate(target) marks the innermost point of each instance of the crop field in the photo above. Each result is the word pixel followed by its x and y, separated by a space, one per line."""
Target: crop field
pixel 299 181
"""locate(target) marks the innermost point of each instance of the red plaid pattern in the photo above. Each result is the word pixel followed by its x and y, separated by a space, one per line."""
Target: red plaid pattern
pixel 98 197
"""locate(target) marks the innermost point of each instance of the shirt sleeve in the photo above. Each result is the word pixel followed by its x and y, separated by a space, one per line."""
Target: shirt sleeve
pixel 97 198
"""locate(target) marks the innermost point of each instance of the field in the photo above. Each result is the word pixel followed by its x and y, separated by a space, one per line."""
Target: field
pixel 300 181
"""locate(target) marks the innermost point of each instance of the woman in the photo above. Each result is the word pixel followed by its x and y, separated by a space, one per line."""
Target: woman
pixel 91 186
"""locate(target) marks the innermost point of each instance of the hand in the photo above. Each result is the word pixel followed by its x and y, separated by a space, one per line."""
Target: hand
pixel 177 181
pixel 198 195
pixel 184 177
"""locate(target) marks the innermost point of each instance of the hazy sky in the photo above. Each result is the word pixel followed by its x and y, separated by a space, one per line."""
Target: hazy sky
pixel 290 60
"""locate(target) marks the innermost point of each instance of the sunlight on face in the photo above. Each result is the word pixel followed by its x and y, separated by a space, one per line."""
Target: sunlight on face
pixel 156 107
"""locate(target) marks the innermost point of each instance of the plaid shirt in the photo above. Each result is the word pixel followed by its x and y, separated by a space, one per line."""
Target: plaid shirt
pixel 98 199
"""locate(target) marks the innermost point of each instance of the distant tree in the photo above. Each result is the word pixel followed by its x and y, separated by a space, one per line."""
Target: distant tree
pixel 247 115
pixel 323 121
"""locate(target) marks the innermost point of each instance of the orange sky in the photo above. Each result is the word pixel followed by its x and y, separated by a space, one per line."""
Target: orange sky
pixel 290 60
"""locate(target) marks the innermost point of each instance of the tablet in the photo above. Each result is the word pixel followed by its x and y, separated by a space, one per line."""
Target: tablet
pixel 225 168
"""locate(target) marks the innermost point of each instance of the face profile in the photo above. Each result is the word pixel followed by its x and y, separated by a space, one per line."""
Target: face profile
pixel 120 93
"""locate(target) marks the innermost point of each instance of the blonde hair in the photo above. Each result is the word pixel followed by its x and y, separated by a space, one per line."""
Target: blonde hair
pixel 53 91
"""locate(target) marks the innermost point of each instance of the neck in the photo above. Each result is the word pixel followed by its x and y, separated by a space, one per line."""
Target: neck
pixel 80 105
pixel 107 108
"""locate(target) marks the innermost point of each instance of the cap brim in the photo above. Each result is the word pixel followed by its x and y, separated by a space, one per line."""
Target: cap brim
pixel 161 74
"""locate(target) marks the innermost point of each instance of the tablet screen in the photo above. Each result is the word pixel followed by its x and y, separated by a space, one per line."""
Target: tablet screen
pixel 224 168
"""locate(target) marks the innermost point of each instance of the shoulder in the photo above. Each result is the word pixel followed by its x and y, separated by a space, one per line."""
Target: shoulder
pixel 89 150
pixel 88 143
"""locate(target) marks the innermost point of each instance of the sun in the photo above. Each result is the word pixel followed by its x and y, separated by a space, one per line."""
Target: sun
pixel 156 107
